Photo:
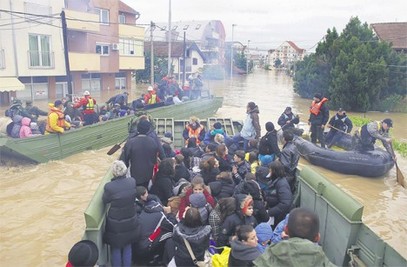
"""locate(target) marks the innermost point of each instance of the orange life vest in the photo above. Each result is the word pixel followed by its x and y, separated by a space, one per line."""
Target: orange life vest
pixel 195 133
pixel 316 107
pixel 60 121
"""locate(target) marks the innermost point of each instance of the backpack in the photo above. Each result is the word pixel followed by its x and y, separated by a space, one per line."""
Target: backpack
pixel 264 147
pixel 222 259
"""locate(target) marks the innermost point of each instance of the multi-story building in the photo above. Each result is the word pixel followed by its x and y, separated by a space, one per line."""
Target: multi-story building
pixel 104 47
pixel 32 56
pixel 208 35
pixel 288 53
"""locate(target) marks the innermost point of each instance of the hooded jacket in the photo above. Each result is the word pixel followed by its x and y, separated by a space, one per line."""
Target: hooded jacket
pixel 15 131
pixel 25 130
pixel 222 188
pixel 241 254
pixel 279 198
pixel 251 127
pixel 293 252
pixel 289 157
pixel 197 237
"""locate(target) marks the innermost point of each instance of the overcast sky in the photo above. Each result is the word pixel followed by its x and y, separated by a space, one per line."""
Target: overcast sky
pixel 268 23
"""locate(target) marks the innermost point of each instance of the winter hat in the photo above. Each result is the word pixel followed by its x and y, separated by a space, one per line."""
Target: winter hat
pixel 197 200
pixel 262 173
pixel 287 109
pixel 318 95
pixel 168 135
pixel 119 168
pixel 264 232
pixel 83 253
pixel 143 126
pixel 217 125
pixel 57 103
pixel 269 126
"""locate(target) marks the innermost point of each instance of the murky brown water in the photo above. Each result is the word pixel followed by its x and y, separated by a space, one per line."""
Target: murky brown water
pixel 42 205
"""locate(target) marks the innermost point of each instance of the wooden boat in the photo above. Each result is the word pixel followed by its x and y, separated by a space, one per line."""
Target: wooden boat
pixel 369 164
pixel 354 243
pixel 57 146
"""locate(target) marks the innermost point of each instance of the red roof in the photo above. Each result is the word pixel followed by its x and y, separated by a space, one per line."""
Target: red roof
pixel 125 8
pixel 299 50
pixel 392 32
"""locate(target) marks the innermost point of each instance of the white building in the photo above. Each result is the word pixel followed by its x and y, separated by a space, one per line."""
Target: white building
pixel 287 53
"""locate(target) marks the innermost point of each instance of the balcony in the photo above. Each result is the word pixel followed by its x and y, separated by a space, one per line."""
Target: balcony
pixel 76 20
pixel 131 31
pixel 84 61
pixel 131 63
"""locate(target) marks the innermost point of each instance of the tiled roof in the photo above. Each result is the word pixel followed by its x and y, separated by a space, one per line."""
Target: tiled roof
pixel 392 32
pixel 125 8
pixel 161 48
pixel 299 50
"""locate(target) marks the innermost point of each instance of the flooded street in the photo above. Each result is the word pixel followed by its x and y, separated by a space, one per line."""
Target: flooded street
pixel 42 205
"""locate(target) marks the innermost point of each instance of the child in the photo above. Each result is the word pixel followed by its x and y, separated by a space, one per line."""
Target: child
pixel 197 186
pixel 180 170
pixel 225 207
pixel 198 201
pixel 264 233
pixel 241 166
pixel 254 163
pixel 244 247
pixel 242 216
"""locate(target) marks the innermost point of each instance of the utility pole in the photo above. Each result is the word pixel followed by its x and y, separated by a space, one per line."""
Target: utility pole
pixel 169 39
pixel 247 57
pixel 152 26
pixel 184 61
pixel 65 38
pixel 231 52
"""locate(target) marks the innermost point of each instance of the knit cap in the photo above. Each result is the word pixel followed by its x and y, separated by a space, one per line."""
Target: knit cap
pixel 217 125
pixel 264 232
pixel 143 126
pixel 197 200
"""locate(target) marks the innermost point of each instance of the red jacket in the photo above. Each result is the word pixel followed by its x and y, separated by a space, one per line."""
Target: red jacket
pixel 88 104
pixel 185 201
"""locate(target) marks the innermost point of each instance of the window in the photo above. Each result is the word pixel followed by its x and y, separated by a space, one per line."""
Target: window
pixel 104 16
pixel 122 19
pixel 194 61
pixel 120 83
pixel 185 27
pixel 102 49
pixel 39 50
pixel 198 26
pixel 131 47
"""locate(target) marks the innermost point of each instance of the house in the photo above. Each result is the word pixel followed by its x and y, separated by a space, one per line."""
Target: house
pixel 394 33
pixel 31 49
pixel 209 36
pixel 194 59
pixel 104 47
pixel 288 53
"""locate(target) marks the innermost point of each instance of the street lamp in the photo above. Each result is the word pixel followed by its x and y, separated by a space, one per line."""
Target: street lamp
pixel 231 52
pixel 169 38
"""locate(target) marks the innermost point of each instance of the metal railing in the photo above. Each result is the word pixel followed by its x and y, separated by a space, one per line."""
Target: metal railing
pixel 40 59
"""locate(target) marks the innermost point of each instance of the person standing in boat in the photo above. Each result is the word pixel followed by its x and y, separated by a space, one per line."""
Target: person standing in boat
pixel 151 97
pixel 251 127
pixel 88 105
pixel 339 125
pixel 268 147
pixel 56 119
pixel 376 130
pixel 194 129
pixel 34 111
pixel 289 158
pixel 319 116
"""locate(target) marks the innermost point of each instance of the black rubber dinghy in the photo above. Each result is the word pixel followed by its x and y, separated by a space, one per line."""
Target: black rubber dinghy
pixel 369 164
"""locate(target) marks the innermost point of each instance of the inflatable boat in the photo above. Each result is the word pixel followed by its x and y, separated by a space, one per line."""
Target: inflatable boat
pixel 369 164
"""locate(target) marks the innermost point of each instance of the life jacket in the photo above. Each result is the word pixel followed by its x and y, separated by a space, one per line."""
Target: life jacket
pixel 60 121
pixel 90 105
pixel 195 133
pixel 153 99
pixel 316 107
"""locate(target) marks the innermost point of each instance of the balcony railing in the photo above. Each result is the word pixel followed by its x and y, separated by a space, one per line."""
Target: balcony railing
pixel 2 59
pixel 40 59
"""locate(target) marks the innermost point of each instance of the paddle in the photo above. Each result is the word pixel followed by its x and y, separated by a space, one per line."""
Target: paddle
pixel 115 147
pixel 399 175
pixel 339 130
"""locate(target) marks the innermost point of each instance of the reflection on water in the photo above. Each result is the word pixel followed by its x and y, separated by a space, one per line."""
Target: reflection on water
pixel 42 205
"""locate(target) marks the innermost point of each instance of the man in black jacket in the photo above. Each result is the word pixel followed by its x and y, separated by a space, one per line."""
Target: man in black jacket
pixel 338 124
pixel 140 153
pixel 288 119
pixel 289 158
pixel 319 115
pixel 268 147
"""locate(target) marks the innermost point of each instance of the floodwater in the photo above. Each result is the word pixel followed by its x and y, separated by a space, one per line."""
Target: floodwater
pixel 42 205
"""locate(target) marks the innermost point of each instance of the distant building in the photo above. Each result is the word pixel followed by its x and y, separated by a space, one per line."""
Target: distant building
pixel 209 36
pixel 104 47
pixel 288 53
pixel 194 56
pixel 394 33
